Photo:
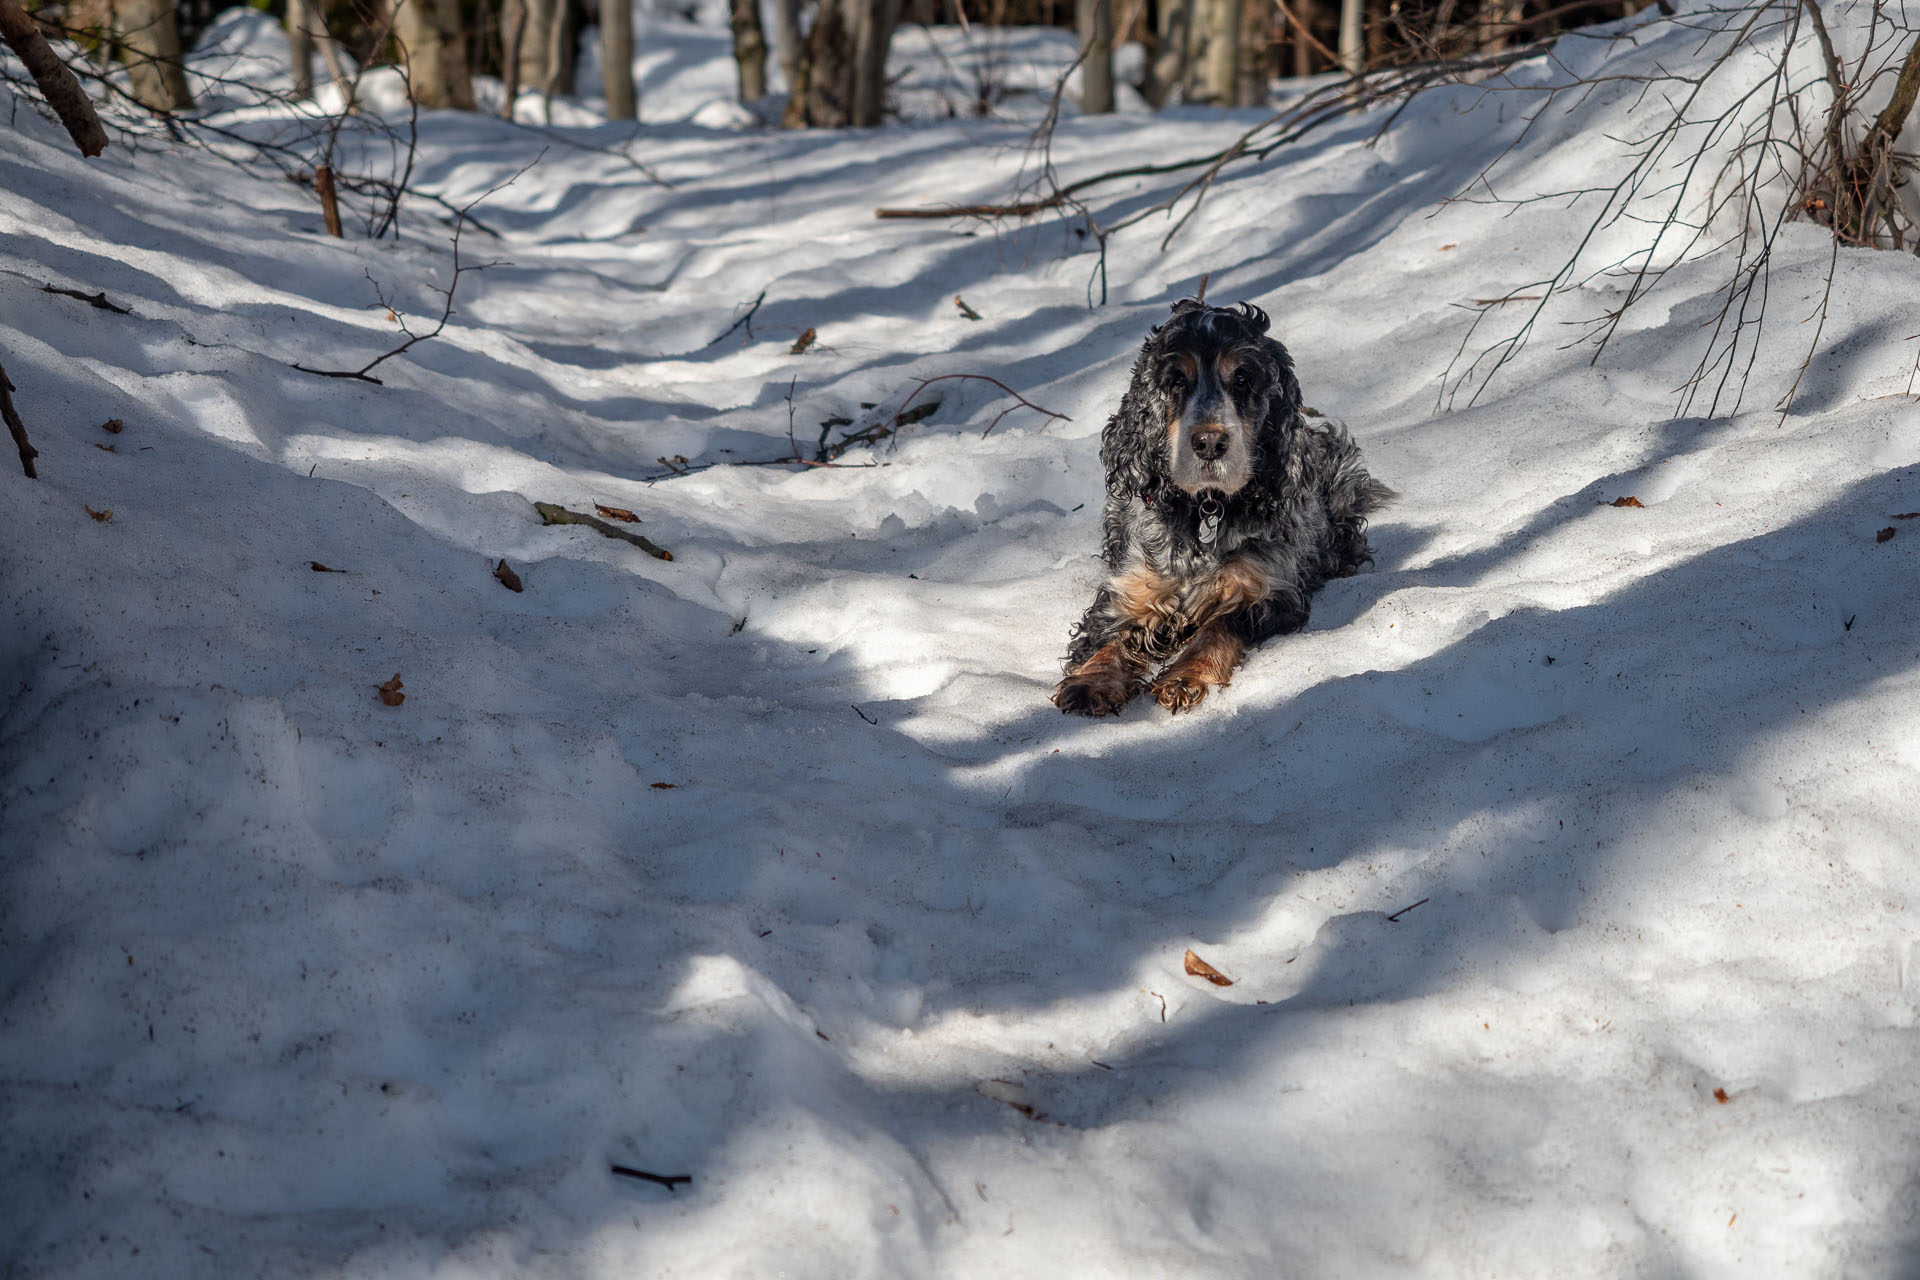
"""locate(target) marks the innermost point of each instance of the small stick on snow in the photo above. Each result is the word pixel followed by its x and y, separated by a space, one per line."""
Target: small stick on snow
pixel 1395 917
pixel 924 383
pixel 18 428
pixel 667 1180
pixel 98 301
pixel 552 513
pixel 746 320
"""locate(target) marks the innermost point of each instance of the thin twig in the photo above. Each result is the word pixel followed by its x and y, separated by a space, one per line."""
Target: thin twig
pixel 667 1180
pixel 15 427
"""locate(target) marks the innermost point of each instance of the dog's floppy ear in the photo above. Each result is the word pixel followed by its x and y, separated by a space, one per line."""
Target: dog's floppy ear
pixel 1252 315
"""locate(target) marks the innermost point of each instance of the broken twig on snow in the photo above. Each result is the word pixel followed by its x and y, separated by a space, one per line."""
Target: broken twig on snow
pixel 552 513
pixel 667 1180
pixel 18 428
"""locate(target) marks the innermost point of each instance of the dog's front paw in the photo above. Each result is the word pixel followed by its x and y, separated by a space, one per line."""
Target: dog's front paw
pixel 1089 695
pixel 1178 692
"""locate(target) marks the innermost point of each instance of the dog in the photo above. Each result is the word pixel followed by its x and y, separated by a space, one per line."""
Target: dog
pixel 1225 512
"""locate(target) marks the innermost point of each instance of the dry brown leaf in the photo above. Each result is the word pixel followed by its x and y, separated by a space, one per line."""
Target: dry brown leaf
pixel 1445 247
pixel 664 786
pixel 101 516
pixel 1720 1096
pixel 317 567
pixel 508 578
pixel 1628 502
pixel 1885 535
pixel 107 447
pixel 1908 515
pixel 802 342
pixel 618 513
pixel 390 692
pixel 113 426
pixel 1201 969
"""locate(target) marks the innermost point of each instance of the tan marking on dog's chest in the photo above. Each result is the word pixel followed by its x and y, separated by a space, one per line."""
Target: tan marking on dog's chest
pixel 1148 598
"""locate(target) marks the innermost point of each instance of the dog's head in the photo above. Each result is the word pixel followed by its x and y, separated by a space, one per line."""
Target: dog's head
pixel 1220 389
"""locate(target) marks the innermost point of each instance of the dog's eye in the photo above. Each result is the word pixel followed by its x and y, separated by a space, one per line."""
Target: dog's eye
pixel 1176 382
pixel 1242 380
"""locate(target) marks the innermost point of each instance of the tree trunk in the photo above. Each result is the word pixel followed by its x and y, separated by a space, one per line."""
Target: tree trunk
pixel 1170 59
pixel 58 86
pixel 824 97
pixel 435 42
pixel 300 47
pixel 1095 21
pixel 1352 51
pixel 1222 69
pixel 536 33
pixel 786 17
pixel 873 23
pixel 513 32
pixel 1256 51
pixel 750 50
pixel 1306 11
pixel 151 35
pixel 560 51
pixel 616 59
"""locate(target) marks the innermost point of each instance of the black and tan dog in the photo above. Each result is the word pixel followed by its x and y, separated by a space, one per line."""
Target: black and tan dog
pixel 1225 513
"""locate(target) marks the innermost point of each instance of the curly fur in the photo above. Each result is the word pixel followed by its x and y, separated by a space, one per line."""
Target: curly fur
pixel 1211 426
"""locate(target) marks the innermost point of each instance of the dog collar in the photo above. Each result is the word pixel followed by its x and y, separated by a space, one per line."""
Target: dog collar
pixel 1210 512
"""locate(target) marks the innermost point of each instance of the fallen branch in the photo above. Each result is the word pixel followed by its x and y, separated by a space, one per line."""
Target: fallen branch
pixel 98 301
pixel 552 513
pixel 57 83
pixel 365 372
pixel 18 428
pixel 667 1180
pixel 977 377
pixel 746 320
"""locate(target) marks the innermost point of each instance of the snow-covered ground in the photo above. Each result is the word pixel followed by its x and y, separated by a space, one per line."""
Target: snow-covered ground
pixel 1564 866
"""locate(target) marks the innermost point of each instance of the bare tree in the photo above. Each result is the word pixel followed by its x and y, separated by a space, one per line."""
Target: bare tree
pixel 842 73
pixel 872 24
pixel 750 50
pixel 306 28
pixel 433 39
pixel 786 30
pixel 149 30
pixel 1173 50
pixel 1221 70
pixel 616 59
pixel 1095 21
pixel 1352 49
pixel 57 85
pixel 1256 48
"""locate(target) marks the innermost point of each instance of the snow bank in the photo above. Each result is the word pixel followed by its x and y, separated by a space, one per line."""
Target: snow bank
pixel 1563 865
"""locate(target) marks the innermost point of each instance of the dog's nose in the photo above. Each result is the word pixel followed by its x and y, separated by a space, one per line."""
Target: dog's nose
pixel 1210 444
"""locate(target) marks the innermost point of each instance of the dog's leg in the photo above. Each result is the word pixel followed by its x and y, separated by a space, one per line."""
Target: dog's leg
pixel 1207 662
pixel 1104 683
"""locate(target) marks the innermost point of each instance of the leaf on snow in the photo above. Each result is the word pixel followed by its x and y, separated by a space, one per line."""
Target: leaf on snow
pixel 1720 1096
pixel 965 310
pixel 1628 502
pixel 508 578
pixel 1885 535
pixel 804 341
pixel 621 514
pixel 390 692
pixel 1201 969
pixel 663 786
pixel 101 516
pixel 113 426
pixel 317 567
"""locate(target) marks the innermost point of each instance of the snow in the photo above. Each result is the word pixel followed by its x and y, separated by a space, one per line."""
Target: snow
pixel 1562 865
